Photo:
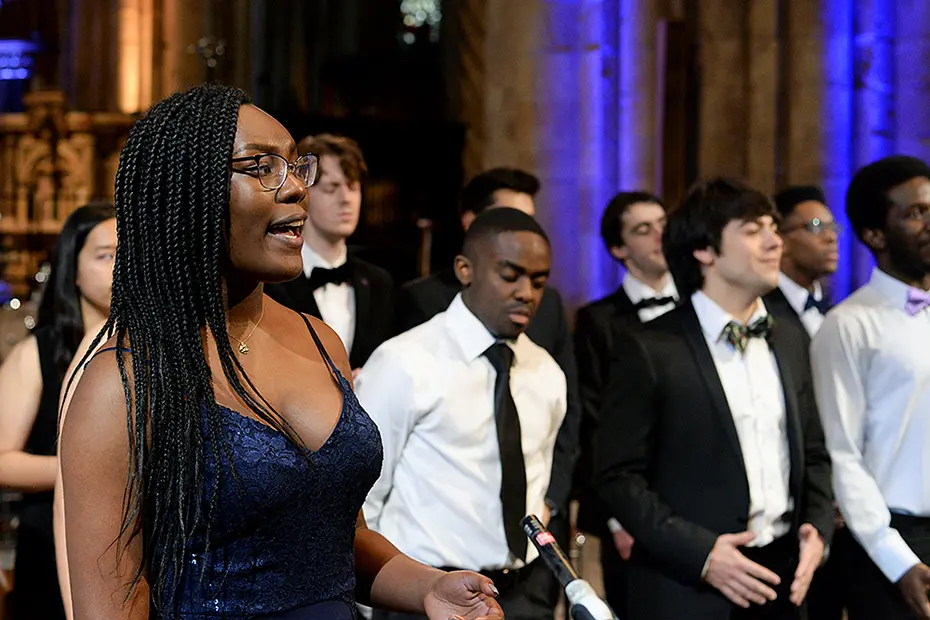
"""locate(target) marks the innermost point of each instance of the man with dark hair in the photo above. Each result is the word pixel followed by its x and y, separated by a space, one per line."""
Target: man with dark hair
pixel 810 254
pixel 469 409
pixel 351 295
pixel 872 378
pixel 631 227
pixel 710 450
pixel 420 300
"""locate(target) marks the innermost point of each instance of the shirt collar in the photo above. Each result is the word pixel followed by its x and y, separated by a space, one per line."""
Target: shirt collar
pixel 312 259
pixel 796 294
pixel 467 330
pixel 713 318
pixel 889 287
pixel 637 290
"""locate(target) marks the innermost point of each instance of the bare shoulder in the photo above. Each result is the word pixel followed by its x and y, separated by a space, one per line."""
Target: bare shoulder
pixel 333 345
pixel 294 324
pixel 25 354
pixel 97 410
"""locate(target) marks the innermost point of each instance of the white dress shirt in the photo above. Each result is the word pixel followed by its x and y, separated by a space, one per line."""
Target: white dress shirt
pixel 637 290
pixel 431 392
pixel 871 363
pixel 757 403
pixel 335 301
pixel 797 297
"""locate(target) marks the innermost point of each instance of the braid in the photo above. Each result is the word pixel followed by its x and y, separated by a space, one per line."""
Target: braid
pixel 172 208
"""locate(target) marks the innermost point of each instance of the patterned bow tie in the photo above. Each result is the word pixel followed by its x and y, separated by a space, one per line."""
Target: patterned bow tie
pixel 917 300
pixel 738 335
pixel 821 305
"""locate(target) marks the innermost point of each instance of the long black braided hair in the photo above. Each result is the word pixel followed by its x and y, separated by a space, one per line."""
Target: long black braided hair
pixel 172 214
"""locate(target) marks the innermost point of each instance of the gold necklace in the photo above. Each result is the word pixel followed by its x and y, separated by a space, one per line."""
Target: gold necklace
pixel 242 348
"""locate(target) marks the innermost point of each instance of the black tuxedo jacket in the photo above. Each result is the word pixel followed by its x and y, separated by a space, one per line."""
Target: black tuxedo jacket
pixel 776 303
pixel 668 462
pixel 595 347
pixel 422 299
pixel 374 293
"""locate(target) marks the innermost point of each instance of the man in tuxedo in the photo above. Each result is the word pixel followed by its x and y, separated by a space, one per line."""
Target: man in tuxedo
pixel 469 409
pixel 810 236
pixel 352 296
pixel 631 228
pixel 810 255
pixel 420 300
pixel 710 450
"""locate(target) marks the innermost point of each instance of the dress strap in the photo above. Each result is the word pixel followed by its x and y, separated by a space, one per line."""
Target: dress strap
pixel 319 345
pixel 104 350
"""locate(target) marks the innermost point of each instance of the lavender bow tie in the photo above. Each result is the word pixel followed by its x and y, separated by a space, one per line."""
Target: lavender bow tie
pixel 917 300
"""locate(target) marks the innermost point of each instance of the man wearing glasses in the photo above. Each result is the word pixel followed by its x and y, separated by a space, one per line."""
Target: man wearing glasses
pixel 810 254
pixel 350 295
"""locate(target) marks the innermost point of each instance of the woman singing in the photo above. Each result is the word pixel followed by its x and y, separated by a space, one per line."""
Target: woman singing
pixel 214 456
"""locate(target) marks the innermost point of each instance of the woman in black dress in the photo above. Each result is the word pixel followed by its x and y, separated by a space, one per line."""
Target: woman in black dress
pixel 76 299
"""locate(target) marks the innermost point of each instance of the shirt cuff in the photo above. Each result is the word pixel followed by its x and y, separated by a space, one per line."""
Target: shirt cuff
pixel 706 566
pixel 892 555
pixel 614 526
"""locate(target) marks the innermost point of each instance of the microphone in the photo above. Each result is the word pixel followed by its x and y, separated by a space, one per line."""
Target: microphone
pixel 585 604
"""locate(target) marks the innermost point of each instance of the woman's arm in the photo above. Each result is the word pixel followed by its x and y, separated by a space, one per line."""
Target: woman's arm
pixel 20 394
pixel 72 377
pixel 94 452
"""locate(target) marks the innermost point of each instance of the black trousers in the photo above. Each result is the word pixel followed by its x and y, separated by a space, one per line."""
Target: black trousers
pixel 780 557
pixel 615 571
pixel 870 595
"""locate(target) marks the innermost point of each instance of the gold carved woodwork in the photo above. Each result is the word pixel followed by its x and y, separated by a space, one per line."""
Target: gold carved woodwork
pixel 52 161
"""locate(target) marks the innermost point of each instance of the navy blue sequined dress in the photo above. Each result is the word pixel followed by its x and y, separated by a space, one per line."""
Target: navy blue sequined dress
pixel 282 546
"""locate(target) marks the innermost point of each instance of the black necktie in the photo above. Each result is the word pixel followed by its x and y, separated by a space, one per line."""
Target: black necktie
pixel 321 276
pixel 654 302
pixel 513 468
pixel 822 305
pixel 738 335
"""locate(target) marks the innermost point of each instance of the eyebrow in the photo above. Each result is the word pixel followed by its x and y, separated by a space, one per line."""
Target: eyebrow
pixel 520 269
pixel 265 148
pixel 105 247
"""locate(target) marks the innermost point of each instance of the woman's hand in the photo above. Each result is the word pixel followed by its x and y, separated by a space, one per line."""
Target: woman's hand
pixel 462 594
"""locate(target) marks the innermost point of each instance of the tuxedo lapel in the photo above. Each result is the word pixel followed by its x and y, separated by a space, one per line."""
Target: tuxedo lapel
pixel 781 348
pixel 623 305
pixel 362 287
pixel 704 363
pixel 301 296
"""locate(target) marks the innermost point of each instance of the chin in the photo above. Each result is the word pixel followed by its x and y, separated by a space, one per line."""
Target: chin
pixel 282 273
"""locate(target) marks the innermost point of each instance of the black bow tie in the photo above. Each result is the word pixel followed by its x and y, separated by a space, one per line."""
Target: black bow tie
pixel 653 302
pixel 321 276
pixel 822 304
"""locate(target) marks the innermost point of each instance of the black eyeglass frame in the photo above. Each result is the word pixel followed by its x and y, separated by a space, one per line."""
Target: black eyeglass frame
pixel 309 159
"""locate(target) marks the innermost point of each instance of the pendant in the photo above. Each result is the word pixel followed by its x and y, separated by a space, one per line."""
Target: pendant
pixel 242 348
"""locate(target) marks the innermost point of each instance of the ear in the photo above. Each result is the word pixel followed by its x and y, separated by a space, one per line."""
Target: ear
pixel 875 239
pixel 620 252
pixel 706 257
pixel 467 218
pixel 464 270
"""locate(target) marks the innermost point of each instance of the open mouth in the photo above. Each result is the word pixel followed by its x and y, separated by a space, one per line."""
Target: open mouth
pixel 290 232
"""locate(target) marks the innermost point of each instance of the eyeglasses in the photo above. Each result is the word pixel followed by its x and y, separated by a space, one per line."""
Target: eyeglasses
pixel 271 169
pixel 816 226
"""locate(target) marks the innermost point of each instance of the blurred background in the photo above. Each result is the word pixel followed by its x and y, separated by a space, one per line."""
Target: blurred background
pixel 593 96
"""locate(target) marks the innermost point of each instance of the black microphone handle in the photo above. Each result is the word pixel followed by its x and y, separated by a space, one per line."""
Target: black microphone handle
pixel 549 550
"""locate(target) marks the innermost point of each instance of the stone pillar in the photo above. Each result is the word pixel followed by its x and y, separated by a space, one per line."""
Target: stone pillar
pixel 912 78
pixel 565 89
